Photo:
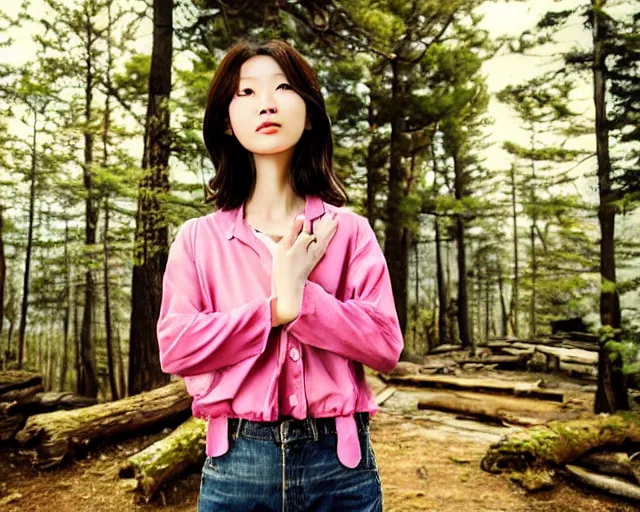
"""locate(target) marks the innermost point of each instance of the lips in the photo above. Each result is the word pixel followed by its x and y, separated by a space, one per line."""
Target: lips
pixel 266 125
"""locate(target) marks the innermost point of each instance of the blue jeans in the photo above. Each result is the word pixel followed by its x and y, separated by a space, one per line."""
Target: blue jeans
pixel 292 467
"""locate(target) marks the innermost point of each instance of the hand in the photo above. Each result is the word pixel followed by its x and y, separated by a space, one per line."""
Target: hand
pixel 294 257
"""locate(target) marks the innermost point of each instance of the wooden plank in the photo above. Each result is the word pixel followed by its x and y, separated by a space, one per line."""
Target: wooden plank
pixel 384 395
pixel 570 355
pixel 446 348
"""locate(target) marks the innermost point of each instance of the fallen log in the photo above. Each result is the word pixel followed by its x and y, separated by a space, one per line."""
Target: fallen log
pixel 560 443
pixel 517 361
pixel 482 385
pixel 60 434
pixel 590 347
pixel 494 345
pixel 21 394
pixel 580 370
pixel 477 409
pixel 609 484
pixel 18 379
pixel 517 351
pixel 537 341
pixel 40 403
pixel 443 349
pixel 166 458
pixel 405 368
pixel 9 425
pixel 612 464
pixel 570 355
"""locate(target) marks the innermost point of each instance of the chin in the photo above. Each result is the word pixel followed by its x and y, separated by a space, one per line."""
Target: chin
pixel 271 150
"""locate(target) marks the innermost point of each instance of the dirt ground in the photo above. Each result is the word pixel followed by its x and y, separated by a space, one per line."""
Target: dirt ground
pixel 428 461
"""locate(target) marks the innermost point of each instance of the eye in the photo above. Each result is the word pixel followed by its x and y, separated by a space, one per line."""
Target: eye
pixel 244 90
pixel 286 85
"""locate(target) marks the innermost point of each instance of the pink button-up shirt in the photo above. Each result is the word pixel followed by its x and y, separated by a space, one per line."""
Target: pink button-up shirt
pixel 215 326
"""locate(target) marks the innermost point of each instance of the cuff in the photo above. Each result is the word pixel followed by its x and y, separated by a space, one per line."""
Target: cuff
pixel 309 298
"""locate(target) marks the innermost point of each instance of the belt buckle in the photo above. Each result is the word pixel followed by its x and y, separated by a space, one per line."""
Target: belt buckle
pixel 284 427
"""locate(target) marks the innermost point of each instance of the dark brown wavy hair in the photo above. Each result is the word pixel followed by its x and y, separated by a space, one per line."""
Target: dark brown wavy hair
pixel 312 165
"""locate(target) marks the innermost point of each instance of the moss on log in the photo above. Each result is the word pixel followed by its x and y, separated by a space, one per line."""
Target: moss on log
pixel 166 458
pixel 560 442
pixel 61 434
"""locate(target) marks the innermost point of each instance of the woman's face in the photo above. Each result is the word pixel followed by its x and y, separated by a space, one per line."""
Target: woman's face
pixel 264 94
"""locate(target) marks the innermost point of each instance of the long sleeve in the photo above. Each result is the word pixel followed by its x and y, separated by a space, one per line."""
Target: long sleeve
pixel 365 327
pixel 193 341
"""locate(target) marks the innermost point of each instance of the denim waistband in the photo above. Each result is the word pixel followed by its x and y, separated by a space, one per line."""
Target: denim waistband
pixel 287 430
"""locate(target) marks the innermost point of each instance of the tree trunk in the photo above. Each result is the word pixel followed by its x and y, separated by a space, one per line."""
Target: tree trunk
pixel 416 304
pixel 395 247
pixel 27 262
pixel 106 125
pixel 76 342
pixel 167 458
pixel 115 395
pixel 504 319
pixel 3 272
pixel 151 238
pixel 121 372
pixel 516 277
pixel 67 310
pixel 612 393
pixel 89 380
pixel 463 302
pixel 443 300
pixel 63 434
pixel 372 168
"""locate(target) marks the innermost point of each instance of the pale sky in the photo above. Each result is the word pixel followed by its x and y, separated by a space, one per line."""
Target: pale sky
pixel 504 69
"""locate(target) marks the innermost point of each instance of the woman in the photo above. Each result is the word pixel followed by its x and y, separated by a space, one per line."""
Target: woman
pixel 272 304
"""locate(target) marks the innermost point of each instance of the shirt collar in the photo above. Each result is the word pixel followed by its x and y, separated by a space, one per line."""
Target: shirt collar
pixel 235 225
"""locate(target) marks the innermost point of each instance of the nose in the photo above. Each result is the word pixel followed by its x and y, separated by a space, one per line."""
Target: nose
pixel 269 110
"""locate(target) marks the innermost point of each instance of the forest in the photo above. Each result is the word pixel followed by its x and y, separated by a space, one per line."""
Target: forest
pixel 494 147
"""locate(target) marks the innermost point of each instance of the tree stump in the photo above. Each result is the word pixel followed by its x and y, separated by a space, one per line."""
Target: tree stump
pixel 61 434
pixel 166 458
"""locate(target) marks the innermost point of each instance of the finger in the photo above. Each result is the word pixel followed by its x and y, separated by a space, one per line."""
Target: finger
pixel 307 226
pixel 296 225
pixel 303 240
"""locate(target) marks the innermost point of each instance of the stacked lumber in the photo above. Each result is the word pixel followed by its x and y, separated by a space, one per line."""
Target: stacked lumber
pixel 558 352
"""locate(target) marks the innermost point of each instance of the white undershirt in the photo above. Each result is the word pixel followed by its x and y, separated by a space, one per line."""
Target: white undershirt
pixel 268 241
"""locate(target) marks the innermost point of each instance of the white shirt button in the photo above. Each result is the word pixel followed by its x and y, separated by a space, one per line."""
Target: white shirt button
pixel 293 400
pixel 294 354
